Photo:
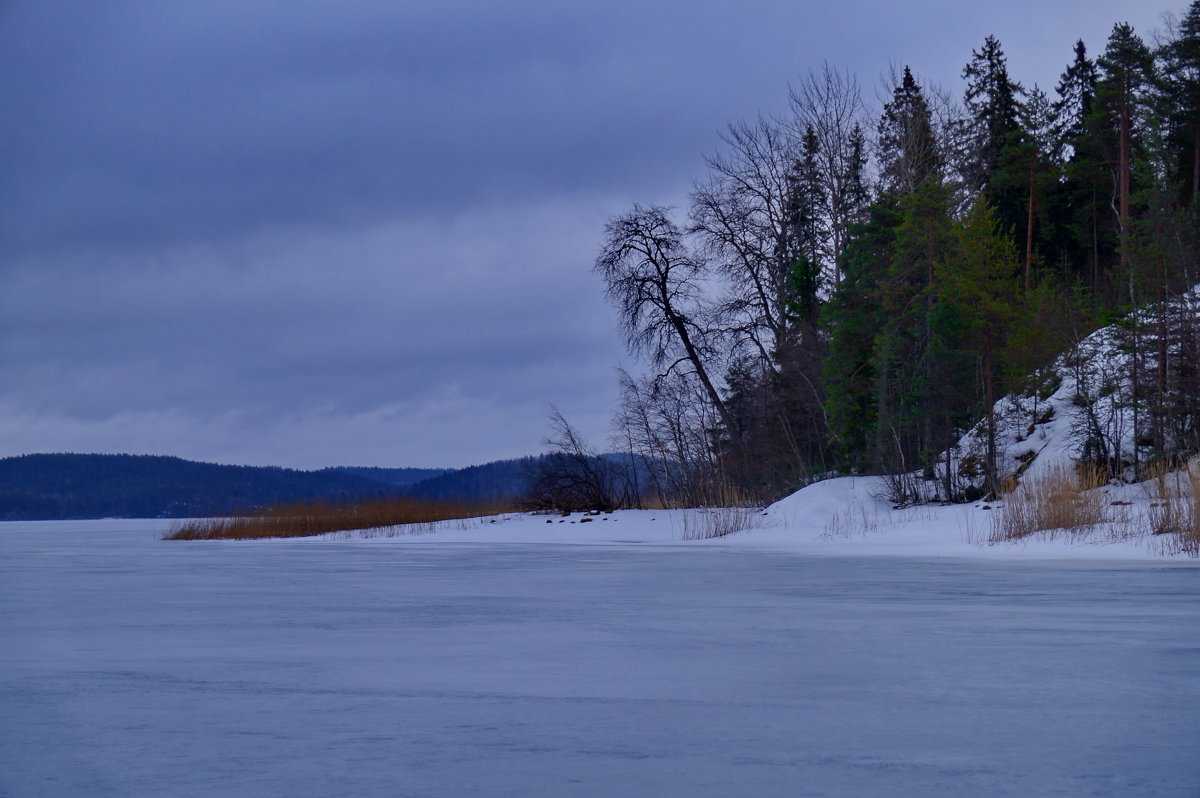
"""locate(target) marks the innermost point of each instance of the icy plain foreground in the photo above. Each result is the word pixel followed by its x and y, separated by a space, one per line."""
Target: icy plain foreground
pixel 413 666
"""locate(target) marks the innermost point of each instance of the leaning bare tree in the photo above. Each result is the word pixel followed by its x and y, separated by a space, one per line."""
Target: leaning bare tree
pixel 653 278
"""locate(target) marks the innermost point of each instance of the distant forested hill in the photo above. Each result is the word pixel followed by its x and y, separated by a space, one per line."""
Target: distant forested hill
pixel 47 486
pixel 63 486
pixel 390 476
pixel 497 481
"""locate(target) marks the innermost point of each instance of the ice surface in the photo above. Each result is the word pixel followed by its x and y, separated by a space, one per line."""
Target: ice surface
pixel 419 666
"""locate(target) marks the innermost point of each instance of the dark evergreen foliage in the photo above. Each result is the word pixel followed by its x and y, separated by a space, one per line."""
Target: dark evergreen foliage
pixel 909 152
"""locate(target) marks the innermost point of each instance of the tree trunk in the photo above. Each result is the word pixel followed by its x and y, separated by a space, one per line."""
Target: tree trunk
pixel 1029 226
pixel 989 390
pixel 1124 168
pixel 1195 163
pixel 693 356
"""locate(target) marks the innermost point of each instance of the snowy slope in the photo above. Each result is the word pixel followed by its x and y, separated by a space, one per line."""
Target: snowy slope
pixel 1086 393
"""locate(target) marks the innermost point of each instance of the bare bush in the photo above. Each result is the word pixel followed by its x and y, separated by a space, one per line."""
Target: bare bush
pixel 571 476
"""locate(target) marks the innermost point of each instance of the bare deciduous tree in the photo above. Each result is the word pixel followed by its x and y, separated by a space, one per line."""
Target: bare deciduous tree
pixel 668 428
pixel 741 216
pixel 653 279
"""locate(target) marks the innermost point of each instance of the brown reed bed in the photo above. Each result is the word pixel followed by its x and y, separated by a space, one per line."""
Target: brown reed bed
pixel 304 519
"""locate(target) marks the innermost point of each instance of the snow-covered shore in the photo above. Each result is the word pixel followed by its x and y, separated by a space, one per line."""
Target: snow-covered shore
pixel 842 516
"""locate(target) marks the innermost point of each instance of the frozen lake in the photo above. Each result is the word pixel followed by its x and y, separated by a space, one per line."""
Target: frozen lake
pixel 135 667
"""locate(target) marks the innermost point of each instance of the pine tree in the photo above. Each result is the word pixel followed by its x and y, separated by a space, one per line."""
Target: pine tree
pixel 1127 74
pixel 909 153
pixel 1028 181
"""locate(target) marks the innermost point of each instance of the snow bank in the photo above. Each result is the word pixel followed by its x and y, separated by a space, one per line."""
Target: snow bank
pixel 837 517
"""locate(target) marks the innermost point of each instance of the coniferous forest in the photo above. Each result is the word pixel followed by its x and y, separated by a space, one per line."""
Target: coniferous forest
pixel 851 289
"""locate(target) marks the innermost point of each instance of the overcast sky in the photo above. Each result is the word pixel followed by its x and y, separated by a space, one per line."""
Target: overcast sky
pixel 311 233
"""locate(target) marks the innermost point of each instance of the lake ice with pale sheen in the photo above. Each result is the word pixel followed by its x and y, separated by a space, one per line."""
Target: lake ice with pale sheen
pixel 130 666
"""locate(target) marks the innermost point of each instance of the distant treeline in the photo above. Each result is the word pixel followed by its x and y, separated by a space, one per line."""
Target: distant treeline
pixel 70 486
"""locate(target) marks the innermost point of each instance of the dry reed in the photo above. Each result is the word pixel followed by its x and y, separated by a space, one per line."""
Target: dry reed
pixel 717 522
pixel 854 520
pixel 304 519
pixel 1065 501
pixel 1174 509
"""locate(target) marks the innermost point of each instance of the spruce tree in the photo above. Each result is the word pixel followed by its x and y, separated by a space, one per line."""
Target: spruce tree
pixel 993 109
pixel 907 372
pixel 805 236
pixel 854 318
pixel 1076 94
pixel 980 282
pixel 858 195
pixel 1082 231
pixel 909 152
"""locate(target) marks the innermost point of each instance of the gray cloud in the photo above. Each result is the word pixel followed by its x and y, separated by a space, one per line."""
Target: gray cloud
pixel 307 232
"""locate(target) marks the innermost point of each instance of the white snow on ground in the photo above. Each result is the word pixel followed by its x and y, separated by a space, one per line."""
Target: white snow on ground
pixel 845 516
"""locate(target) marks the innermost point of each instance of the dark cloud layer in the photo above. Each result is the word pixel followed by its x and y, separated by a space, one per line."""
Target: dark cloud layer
pixel 360 232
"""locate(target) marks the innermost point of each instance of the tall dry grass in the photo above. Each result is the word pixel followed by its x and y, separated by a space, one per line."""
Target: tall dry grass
pixel 853 520
pixel 1064 501
pixel 304 519
pixel 705 523
pixel 1174 508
